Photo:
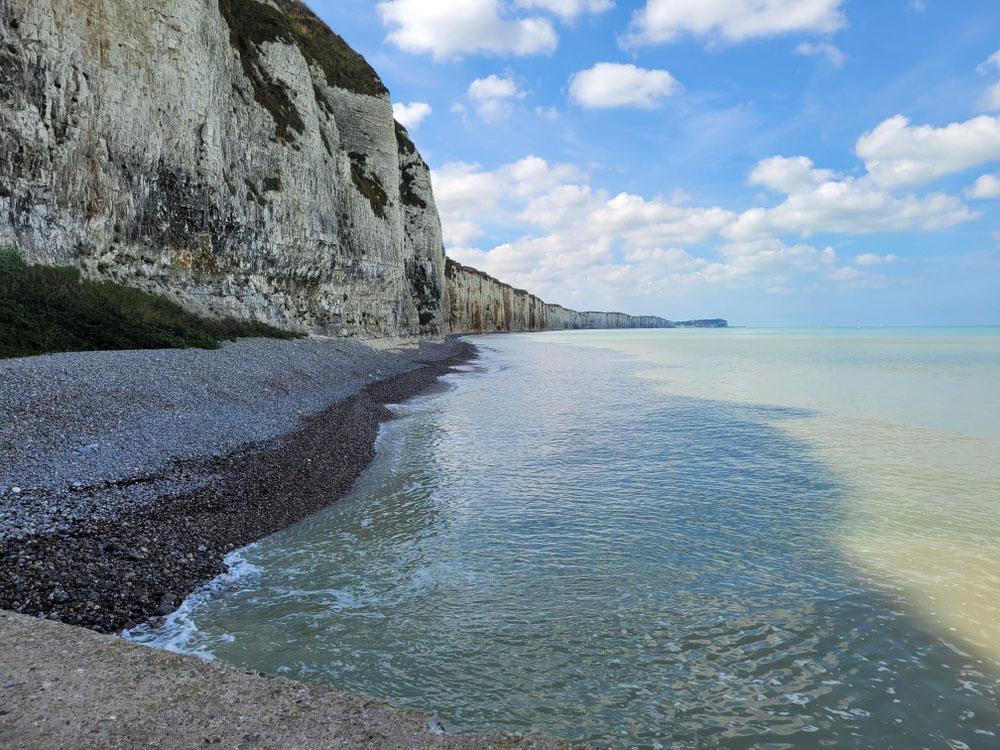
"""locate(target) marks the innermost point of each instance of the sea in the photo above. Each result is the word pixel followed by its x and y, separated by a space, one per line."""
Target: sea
pixel 689 538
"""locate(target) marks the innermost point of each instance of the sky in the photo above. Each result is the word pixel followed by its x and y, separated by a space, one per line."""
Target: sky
pixel 771 162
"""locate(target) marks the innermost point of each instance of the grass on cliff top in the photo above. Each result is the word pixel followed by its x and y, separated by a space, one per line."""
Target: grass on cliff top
pixel 253 23
pixel 46 309
pixel 321 45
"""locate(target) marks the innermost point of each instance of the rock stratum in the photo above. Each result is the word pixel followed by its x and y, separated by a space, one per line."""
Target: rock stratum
pixel 240 158
pixel 475 301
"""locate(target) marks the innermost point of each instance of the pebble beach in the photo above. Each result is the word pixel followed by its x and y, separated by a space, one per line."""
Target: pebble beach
pixel 128 476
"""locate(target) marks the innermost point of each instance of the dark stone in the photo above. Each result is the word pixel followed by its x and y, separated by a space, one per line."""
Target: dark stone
pixel 178 543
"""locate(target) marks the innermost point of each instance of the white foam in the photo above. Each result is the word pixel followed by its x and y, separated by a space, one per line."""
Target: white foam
pixel 179 631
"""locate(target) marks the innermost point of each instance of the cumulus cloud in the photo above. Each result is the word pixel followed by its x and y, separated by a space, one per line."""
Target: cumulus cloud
pixel 575 242
pixel 732 20
pixel 874 259
pixel 821 201
pixel 671 260
pixel 608 85
pixel 850 206
pixel 411 115
pixel 991 99
pixel 789 175
pixel 493 96
pixel 467 195
pixel 448 30
pixel 569 9
pixel 462 190
pixel 770 258
pixel 578 243
pixel 898 153
pixel 831 52
pixel 987 186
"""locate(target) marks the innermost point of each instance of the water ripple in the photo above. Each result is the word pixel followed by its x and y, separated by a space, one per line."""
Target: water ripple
pixel 557 546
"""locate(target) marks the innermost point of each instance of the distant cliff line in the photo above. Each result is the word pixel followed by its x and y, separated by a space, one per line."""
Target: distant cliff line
pixel 476 302
pixel 238 157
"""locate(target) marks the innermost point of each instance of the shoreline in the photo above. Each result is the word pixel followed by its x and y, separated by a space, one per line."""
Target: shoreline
pixel 159 529
pixel 133 544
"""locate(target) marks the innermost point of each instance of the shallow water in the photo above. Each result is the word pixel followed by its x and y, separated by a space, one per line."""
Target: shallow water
pixel 660 538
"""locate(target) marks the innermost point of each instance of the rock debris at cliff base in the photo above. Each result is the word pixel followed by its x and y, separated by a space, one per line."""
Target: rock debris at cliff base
pixel 132 474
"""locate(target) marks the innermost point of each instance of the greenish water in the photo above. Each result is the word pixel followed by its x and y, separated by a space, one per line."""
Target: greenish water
pixel 736 538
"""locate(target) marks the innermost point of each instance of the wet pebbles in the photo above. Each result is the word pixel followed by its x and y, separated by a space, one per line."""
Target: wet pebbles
pixel 126 477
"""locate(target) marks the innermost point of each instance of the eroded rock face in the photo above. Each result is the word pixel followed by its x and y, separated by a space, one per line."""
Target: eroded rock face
pixel 238 157
pixel 234 155
pixel 476 302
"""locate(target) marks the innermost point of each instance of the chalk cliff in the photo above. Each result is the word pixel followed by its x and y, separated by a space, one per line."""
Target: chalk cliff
pixel 237 156
pixel 477 302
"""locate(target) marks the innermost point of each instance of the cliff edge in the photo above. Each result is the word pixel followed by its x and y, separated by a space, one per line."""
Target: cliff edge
pixel 238 157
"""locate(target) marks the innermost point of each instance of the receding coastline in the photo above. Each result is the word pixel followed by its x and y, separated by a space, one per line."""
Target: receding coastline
pixel 279 196
pixel 128 477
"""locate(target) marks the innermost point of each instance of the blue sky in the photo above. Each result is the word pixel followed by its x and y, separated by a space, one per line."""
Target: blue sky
pixel 773 162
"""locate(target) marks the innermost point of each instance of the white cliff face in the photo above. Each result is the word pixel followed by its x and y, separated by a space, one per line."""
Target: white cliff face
pixel 477 303
pixel 238 157
pixel 188 148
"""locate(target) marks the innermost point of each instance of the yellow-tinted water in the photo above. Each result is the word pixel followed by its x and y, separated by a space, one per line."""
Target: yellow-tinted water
pixel 908 418
pixel 651 539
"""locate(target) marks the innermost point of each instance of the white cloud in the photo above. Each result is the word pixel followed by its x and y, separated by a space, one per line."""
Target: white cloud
pixel 733 20
pixel 411 115
pixel 789 175
pixel 672 260
pixel 616 85
pixel 818 200
pixel 569 9
pixel 849 206
pixel 451 29
pixel 579 244
pixel 645 223
pixel 462 189
pixel 770 258
pixel 466 195
pixel 874 259
pixel 987 186
pixel 831 52
pixel 897 153
pixel 991 99
pixel 533 175
pixel 847 273
pixel 461 232
pixel 918 5
pixel 494 96
pixel 575 243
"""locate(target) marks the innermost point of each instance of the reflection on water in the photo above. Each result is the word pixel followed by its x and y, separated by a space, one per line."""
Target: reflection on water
pixel 559 546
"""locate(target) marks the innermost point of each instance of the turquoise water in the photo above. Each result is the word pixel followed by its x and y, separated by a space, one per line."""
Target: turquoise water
pixel 742 538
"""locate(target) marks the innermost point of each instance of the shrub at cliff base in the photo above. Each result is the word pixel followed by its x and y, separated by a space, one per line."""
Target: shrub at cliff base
pixel 47 309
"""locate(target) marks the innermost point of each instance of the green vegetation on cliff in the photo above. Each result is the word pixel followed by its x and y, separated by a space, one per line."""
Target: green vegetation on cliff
pixel 252 24
pixel 46 309
pixel 343 67
pixel 368 184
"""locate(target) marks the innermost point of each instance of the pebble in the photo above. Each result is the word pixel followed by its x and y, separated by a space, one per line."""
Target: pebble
pixel 150 516
pixel 120 409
